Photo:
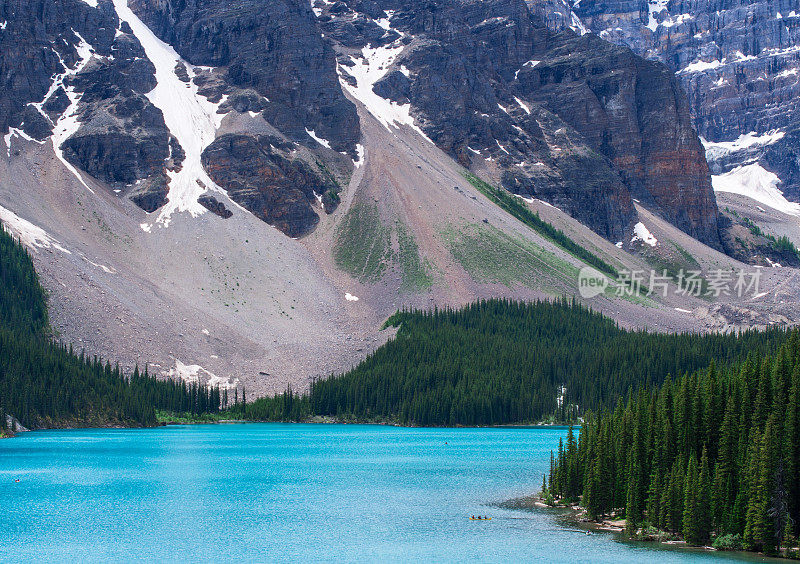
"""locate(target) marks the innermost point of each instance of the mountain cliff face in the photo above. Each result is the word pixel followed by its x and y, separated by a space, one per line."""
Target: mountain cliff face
pixel 80 76
pixel 738 62
pixel 554 116
pixel 572 120
pixel 270 46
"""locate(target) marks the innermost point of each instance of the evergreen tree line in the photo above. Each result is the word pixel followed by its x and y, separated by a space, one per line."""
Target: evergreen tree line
pixel 711 455
pixel 501 361
pixel 45 384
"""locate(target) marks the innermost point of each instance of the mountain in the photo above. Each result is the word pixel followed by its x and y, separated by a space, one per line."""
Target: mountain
pixel 241 193
pixel 738 63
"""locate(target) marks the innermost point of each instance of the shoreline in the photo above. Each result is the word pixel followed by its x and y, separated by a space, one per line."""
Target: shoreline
pixel 177 420
pixel 576 514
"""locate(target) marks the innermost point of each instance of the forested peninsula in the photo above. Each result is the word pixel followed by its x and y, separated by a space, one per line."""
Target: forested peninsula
pixel 712 457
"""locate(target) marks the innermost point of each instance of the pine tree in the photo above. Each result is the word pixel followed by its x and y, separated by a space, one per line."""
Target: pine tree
pixel 704 508
pixel 692 521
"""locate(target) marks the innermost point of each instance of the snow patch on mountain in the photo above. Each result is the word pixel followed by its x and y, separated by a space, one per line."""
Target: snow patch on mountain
pixel 655 7
pixel 190 117
pixel 701 66
pixel 757 183
pixel 523 105
pixel 360 153
pixel 642 233
pixel 14 132
pixel 324 142
pixel 30 235
pixel 196 374
pixel 68 123
pixel 577 25
pixel 716 150
pixel 373 64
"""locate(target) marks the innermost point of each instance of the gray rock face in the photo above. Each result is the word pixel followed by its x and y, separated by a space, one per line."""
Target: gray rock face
pixel 37 36
pixel 122 138
pixel 737 60
pixel 270 46
pixel 575 121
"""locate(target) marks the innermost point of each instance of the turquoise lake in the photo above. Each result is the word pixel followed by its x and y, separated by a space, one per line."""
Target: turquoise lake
pixel 272 492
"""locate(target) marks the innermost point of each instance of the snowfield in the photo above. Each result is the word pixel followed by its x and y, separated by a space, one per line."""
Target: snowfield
pixel 29 234
pixel 641 233
pixel 324 142
pixel 755 182
pixel 369 69
pixel 196 374
pixel 720 149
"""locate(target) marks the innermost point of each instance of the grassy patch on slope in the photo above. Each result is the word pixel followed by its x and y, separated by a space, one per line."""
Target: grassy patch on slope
pixel 492 256
pixel 415 271
pixel 512 205
pixel 363 245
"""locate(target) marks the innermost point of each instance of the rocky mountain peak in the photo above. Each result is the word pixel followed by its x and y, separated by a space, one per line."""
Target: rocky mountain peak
pixel 737 61
pixel 560 117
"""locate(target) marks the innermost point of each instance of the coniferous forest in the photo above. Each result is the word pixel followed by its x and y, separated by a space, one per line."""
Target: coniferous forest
pixel 499 362
pixel 45 384
pixel 711 456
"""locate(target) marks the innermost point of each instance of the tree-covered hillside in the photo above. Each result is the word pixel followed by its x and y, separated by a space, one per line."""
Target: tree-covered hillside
pixel 499 361
pixel 44 384
pixel 715 454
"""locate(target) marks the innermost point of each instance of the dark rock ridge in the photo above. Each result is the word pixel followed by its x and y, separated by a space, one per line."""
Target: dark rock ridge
pixel 122 138
pixel 738 60
pixel 261 174
pixel 634 113
pixel 578 122
pixel 270 46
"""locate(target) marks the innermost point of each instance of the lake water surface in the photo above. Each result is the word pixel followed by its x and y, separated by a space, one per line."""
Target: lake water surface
pixel 272 492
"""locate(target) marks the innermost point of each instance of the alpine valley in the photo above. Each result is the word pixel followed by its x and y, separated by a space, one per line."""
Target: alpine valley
pixel 451 213
pixel 241 193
